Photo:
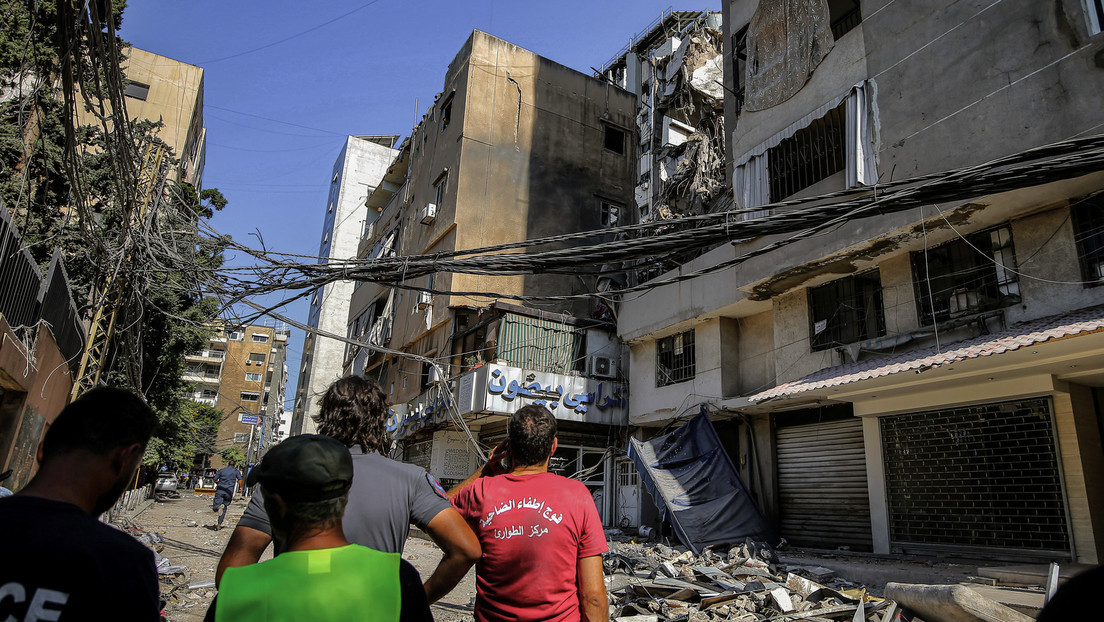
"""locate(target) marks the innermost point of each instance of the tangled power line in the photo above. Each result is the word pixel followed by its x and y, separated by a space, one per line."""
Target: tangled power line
pixel 593 253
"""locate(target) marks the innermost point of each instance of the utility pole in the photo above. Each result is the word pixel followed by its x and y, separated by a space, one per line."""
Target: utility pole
pixel 111 294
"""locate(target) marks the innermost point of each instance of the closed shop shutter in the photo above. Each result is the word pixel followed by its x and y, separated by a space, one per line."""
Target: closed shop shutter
pixel 822 490
pixel 983 479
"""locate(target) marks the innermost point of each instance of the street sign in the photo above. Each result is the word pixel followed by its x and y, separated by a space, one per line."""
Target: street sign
pixel 249 419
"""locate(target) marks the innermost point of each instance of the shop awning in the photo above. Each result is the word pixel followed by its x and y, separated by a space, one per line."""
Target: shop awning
pixel 1025 334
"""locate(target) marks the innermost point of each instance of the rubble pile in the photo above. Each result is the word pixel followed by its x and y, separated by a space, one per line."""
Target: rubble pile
pixel 649 583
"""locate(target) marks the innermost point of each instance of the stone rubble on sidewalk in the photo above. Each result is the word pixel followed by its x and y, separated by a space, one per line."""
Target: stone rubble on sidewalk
pixel 656 583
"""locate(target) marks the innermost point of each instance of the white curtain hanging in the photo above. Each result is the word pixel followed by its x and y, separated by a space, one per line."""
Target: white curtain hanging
pixel 861 166
pixel 752 186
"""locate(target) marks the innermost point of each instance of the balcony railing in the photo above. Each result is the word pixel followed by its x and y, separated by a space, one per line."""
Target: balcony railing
pixel 207 356
pixel 200 377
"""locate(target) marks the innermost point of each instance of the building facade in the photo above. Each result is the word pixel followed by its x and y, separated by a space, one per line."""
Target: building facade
pixel 925 379
pixel 514 148
pixel 41 338
pixel 242 372
pixel 357 172
pixel 170 91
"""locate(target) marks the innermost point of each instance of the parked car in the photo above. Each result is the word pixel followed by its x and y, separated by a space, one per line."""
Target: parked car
pixel 166 482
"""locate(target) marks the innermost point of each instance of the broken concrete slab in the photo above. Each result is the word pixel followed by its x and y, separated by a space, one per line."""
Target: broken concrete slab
pixel 782 598
pixel 950 603
pixel 1030 574
pixel 719 577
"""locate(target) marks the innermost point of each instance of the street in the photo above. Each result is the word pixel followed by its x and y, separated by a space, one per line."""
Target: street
pixel 184 525
pixel 180 530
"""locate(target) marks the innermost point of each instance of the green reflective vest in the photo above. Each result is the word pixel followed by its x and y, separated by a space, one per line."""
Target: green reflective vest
pixel 346 583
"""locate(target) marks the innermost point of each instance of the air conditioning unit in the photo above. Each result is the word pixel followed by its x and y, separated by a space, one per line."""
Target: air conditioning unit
pixel 434 375
pixel 428 214
pixel 603 367
pixel 424 299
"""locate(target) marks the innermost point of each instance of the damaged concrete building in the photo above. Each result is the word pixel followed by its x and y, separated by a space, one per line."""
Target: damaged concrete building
pixel 926 379
pixel 675 68
pixel 514 148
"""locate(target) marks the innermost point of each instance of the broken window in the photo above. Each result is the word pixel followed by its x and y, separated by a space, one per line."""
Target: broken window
pixel 846 310
pixel 446 113
pixel 137 90
pixel 386 246
pixel 845 15
pixel 739 66
pixel 611 214
pixel 1095 13
pixel 241 437
pixel 675 359
pixel 812 154
pixel 968 275
pixel 1088 232
pixel 439 189
pixel 614 139
pixel 428 375
pixel 250 396
pixel 840 138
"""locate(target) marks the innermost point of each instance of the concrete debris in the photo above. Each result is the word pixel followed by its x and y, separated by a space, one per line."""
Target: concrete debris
pixel 165 567
pixel 951 603
pixel 742 584
pixel 653 582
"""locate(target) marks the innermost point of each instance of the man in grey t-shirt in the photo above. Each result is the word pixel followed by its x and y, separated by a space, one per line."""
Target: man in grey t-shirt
pixel 385 499
pixel 389 497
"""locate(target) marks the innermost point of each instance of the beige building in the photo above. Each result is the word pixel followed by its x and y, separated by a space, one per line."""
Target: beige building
pixel 170 91
pixel 515 147
pixel 243 372
pixel 927 379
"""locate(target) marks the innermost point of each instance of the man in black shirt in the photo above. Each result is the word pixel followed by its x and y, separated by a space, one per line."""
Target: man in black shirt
pixel 61 563
pixel 225 479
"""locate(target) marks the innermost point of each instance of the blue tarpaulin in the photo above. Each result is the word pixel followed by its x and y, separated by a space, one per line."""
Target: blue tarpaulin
pixel 694 483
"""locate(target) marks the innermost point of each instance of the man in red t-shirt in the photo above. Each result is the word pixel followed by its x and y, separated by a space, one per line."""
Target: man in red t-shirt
pixel 541 536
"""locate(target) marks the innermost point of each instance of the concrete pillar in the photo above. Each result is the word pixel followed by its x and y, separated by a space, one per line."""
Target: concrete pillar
pixel 1082 457
pixel 875 481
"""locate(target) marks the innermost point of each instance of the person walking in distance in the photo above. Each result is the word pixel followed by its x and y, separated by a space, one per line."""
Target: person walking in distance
pixel 225 480
pixel 387 496
pixel 541 536
pixel 59 561
pixel 320 576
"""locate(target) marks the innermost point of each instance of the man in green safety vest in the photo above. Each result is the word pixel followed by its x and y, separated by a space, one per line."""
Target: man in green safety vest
pixel 319 576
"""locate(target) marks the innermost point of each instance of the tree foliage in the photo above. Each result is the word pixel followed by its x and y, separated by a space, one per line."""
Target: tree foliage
pixel 157 259
pixel 233 454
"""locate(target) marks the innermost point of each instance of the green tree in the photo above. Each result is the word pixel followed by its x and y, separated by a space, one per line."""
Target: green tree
pixel 162 261
pixel 185 433
pixel 233 454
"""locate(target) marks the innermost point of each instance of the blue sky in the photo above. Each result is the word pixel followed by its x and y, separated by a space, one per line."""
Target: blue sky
pixel 278 106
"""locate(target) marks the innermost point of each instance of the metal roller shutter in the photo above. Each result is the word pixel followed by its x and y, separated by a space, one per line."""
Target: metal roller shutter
pixel 984 479
pixel 822 489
